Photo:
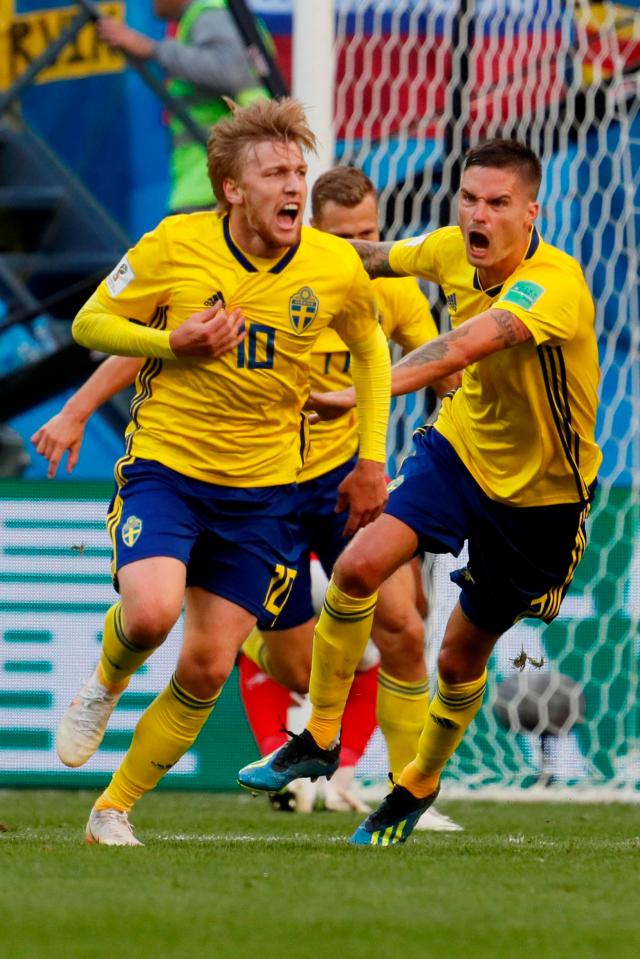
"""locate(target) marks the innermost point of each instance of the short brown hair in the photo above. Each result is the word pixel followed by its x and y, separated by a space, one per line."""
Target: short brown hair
pixel 279 121
pixel 507 155
pixel 344 185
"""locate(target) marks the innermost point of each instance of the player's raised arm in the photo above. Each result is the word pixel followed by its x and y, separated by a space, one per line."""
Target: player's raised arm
pixel 63 433
pixel 411 323
pixel 487 333
pixel 448 354
pixel 375 258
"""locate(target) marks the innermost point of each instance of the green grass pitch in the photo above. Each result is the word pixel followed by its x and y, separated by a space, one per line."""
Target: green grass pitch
pixel 223 876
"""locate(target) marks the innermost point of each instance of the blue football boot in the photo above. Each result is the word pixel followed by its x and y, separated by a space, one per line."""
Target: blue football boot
pixel 299 758
pixel 394 819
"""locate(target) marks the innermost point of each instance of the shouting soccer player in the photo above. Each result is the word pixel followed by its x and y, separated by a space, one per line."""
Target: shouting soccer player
pixel 509 467
pixel 344 203
pixel 206 490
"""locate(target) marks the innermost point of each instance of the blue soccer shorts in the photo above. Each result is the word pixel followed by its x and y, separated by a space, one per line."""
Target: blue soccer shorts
pixel 241 544
pixel 521 559
pixel 320 531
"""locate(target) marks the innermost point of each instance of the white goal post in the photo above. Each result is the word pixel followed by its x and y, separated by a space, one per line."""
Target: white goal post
pixel 313 80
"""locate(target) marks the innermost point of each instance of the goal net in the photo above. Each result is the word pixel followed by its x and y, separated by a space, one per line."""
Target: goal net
pixel 418 82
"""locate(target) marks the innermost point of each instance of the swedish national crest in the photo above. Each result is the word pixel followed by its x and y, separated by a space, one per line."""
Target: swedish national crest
pixel 131 531
pixel 303 307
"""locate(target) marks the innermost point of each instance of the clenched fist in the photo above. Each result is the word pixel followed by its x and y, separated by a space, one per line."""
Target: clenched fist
pixel 209 333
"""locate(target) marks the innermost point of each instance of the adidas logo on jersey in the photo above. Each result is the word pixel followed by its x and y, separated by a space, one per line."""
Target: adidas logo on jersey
pixel 452 303
pixel 214 298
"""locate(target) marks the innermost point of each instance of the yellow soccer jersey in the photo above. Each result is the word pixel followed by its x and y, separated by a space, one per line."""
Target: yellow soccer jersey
pixel 237 420
pixel 406 319
pixel 523 422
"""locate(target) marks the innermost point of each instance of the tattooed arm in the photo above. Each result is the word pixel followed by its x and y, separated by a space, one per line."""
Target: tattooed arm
pixel 486 333
pixel 375 257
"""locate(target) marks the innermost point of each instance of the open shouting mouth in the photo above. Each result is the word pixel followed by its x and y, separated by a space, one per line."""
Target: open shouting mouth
pixel 478 242
pixel 288 215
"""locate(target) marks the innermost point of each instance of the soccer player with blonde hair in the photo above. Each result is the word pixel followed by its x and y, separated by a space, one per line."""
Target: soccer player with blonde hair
pixel 206 495
pixel 510 466
pixel 344 203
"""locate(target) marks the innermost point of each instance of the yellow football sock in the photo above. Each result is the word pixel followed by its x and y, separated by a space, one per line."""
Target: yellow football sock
pixel 254 648
pixel 401 711
pixel 450 714
pixel 340 637
pixel 120 658
pixel 164 733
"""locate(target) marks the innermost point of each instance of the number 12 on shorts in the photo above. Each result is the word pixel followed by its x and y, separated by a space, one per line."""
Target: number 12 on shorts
pixel 279 589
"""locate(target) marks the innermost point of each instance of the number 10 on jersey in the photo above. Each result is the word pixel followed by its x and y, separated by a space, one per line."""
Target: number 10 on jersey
pixel 257 350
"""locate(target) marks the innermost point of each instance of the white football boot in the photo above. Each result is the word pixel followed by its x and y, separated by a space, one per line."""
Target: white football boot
pixel 83 725
pixel 108 827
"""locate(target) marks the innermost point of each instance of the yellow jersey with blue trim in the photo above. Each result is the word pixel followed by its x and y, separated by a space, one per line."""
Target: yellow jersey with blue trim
pixel 237 420
pixel 523 421
pixel 405 317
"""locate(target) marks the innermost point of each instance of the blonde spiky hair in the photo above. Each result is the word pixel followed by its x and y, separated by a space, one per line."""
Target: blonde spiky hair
pixel 276 121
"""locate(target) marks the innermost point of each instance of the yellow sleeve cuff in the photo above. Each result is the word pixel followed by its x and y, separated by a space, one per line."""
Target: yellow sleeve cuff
pixel 98 328
pixel 371 371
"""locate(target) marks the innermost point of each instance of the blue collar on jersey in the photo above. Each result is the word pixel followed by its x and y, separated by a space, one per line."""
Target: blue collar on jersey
pixel 247 264
pixel 534 243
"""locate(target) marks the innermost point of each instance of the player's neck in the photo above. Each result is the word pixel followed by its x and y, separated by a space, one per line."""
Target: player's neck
pixel 252 243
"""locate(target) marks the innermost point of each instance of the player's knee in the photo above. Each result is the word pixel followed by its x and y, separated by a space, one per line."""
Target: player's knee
pixel 454 667
pixel 147 624
pixel 448 666
pixel 411 636
pixel 409 639
pixel 201 678
pixel 355 575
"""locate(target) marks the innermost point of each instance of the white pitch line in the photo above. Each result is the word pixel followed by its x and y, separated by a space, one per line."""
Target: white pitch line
pixel 226 837
pixel 530 843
